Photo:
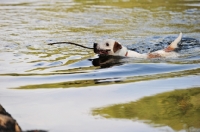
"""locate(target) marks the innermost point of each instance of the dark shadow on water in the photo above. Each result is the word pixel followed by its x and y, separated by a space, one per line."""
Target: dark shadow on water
pixel 107 61
pixel 177 109
pixel 152 44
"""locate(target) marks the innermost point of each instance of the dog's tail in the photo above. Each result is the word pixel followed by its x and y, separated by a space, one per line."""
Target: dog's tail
pixel 174 44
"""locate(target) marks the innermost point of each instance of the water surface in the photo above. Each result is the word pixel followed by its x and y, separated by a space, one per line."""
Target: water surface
pixel 57 88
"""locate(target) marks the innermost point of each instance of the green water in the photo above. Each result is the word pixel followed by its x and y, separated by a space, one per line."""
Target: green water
pixel 178 109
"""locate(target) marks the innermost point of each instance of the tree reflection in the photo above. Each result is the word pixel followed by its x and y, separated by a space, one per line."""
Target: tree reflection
pixel 178 109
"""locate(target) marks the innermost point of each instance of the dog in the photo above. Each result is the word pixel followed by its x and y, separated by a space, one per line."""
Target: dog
pixel 114 48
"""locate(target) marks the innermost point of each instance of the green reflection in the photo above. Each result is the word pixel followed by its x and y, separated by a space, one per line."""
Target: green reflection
pixel 146 4
pixel 178 109
pixel 108 81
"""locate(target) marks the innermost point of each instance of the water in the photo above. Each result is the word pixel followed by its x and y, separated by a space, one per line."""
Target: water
pixel 65 88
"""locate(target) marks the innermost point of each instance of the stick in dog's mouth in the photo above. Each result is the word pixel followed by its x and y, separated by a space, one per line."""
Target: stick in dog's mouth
pixel 71 44
pixel 98 51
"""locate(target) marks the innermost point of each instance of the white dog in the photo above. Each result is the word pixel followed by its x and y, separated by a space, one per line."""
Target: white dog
pixel 112 47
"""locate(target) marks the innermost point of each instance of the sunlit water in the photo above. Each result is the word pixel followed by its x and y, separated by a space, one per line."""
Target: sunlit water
pixel 56 88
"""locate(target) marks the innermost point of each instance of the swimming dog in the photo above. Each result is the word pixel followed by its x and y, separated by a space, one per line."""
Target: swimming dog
pixel 114 48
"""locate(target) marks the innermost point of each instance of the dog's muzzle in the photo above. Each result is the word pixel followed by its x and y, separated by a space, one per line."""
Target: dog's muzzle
pixel 100 51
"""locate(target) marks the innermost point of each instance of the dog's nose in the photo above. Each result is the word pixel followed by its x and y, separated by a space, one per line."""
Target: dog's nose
pixel 95 44
pixel 95 47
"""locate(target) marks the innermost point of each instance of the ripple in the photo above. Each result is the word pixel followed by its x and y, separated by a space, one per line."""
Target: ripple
pixel 37 79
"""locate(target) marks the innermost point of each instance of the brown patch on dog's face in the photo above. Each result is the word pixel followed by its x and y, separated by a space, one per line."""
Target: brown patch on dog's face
pixel 116 46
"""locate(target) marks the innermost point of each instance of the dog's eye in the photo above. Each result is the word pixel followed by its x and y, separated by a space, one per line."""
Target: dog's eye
pixel 107 44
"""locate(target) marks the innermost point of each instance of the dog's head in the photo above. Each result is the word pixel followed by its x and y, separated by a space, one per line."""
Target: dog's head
pixel 107 47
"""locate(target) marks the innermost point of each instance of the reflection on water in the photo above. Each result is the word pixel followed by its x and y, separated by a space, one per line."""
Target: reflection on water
pixel 27 62
pixel 178 109
pixel 92 80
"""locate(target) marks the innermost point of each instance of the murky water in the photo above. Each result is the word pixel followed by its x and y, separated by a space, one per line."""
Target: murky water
pixel 65 88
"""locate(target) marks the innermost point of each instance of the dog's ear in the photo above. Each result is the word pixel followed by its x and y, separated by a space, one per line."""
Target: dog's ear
pixel 116 46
